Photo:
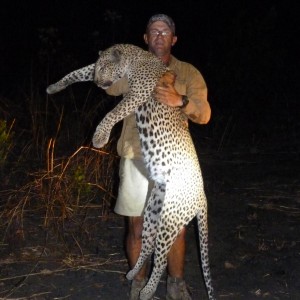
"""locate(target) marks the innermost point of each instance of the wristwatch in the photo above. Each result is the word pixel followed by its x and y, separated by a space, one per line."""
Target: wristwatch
pixel 185 101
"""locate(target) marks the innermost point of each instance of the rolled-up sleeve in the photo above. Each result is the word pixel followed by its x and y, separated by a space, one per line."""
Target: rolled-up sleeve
pixel 191 83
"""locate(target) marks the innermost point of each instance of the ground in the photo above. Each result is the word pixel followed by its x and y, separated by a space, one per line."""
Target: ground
pixel 254 221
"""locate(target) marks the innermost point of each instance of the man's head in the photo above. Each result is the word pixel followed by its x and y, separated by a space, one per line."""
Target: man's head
pixel 160 36
pixel 164 18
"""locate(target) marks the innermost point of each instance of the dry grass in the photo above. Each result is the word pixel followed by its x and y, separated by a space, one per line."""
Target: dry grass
pixel 67 188
pixel 50 177
pixel 49 216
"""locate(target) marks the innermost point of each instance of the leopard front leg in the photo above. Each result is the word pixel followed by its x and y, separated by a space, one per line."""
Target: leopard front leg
pixel 122 110
pixel 80 75
pixel 101 135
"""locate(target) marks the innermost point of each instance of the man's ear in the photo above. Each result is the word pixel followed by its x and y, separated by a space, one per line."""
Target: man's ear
pixel 146 38
pixel 174 40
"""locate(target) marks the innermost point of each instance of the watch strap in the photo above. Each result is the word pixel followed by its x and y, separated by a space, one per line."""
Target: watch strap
pixel 185 101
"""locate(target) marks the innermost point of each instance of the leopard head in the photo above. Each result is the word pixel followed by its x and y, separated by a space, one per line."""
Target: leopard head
pixel 110 66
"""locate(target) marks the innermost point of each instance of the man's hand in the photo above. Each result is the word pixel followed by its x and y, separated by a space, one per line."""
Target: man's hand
pixel 165 92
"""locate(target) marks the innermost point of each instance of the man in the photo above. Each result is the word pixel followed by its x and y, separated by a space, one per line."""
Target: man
pixel 190 94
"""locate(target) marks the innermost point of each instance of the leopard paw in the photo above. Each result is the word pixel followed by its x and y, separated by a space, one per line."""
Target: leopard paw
pixel 100 138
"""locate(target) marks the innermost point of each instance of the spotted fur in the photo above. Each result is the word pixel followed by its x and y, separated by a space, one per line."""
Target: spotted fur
pixel 178 194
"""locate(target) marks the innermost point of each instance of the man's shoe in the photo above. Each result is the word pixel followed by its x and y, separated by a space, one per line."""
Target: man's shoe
pixel 136 287
pixel 177 290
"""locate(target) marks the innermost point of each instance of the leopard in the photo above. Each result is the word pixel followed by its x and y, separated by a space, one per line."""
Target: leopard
pixel 178 195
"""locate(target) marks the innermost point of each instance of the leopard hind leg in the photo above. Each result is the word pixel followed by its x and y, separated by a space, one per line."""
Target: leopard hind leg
pixel 167 232
pixel 151 216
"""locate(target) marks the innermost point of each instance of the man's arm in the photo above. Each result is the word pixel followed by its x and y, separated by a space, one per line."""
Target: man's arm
pixel 196 106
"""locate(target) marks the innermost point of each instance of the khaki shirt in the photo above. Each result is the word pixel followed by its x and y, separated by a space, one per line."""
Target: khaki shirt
pixel 189 82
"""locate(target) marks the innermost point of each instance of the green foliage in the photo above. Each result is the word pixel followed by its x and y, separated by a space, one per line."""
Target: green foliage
pixel 80 182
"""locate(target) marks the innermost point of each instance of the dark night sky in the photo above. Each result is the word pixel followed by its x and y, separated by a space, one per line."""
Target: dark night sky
pixel 246 50
pixel 207 29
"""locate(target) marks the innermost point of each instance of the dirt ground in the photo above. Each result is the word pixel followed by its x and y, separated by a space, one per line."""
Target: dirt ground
pixel 254 225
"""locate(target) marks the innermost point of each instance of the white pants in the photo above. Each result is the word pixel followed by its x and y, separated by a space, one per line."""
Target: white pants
pixel 134 188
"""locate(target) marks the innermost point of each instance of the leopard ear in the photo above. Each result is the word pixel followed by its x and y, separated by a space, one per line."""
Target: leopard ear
pixel 116 55
pixel 100 52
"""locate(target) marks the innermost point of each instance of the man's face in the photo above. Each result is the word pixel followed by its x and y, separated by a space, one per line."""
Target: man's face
pixel 159 38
